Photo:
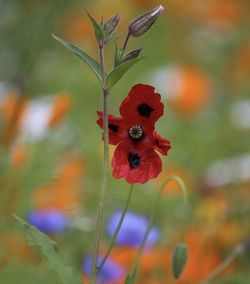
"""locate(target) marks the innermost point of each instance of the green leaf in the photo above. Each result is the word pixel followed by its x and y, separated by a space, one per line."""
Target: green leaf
pixel 118 55
pixel 179 259
pixel 47 249
pixel 115 75
pixel 92 63
pixel 132 277
pixel 97 28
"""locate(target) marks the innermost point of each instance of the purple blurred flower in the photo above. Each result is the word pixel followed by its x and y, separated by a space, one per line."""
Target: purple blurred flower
pixel 110 272
pixel 48 221
pixel 132 230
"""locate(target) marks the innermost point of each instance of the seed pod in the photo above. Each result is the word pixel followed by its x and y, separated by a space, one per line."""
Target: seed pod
pixel 143 23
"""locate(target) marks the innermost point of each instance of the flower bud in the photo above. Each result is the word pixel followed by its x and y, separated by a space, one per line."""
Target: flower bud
pixel 143 23
pixel 132 55
pixel 111 24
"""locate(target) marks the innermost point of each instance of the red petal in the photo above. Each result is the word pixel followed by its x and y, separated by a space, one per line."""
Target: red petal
pixel 149 167
pixel 142 102
pixel 115 128
pixel 161 144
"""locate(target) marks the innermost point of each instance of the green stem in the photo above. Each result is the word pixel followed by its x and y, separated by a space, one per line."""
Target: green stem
pixel 239 249
pixel 153 213
pixel 105 93
pixel 117 230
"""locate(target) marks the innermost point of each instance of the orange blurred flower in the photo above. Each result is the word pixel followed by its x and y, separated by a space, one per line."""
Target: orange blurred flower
pixel 145 3
pixel 151 259
pixel 226 12
pixel 240 69
pixel 186 87
pixel 203 258
pixel 193 93
pixel 12 110
pixel 64 191
pixel 19 155
pixel 15 247
pixel 220 13
pixel 173 187
pixel 212 212
pixel 231 233
pixel 61 107
pixel 75 26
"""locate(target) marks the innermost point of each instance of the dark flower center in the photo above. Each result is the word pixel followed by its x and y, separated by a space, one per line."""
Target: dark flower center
pixel 144 110
pixel 134 160
pixel 113 127
pixel 135 132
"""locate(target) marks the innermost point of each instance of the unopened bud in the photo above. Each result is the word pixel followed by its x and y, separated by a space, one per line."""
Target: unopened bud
pixel 132 55
pixel 111 24
pixel 143 23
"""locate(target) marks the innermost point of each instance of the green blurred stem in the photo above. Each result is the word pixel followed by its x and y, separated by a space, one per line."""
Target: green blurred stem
pixel 105 93
pixel 239 249
pixel 116 230
pixel 153 213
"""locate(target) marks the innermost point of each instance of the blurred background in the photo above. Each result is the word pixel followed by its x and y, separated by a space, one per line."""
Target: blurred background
pixel 198 58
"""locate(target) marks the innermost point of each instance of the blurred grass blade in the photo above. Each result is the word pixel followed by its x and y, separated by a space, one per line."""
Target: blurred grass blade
pixel 92 63
pixel 47 249
pixel 179 259
pixel 131 278
pixel 115 75
pixel 97 28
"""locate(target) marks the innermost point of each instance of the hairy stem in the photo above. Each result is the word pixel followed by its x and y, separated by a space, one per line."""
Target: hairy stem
pixel 236 252
pixel 125 209
pixel 105 93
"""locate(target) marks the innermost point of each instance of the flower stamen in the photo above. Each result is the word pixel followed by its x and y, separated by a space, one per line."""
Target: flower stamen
pixel 135 132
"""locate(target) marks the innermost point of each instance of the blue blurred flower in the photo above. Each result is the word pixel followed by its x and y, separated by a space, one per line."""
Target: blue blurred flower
pixel 132 230
pixel 48 221
pixel 110 272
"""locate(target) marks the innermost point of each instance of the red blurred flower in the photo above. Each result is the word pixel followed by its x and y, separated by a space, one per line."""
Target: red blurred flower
pixel 134 158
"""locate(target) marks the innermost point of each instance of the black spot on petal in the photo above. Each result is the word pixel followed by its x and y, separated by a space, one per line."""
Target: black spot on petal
pixel 144 110
pixel 134 160
pixel 113 127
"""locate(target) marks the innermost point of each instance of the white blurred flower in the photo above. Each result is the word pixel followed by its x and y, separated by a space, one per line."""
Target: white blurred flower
pixel 240 114
pixel 35 121
pixel 168 81
pixel 229 171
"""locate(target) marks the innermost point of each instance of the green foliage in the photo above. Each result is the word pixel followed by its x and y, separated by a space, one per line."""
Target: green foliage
pixel 132 277
pixel 115 75
pixel 47 249
pixel 179 259
pixel 92 63
pixel 97 28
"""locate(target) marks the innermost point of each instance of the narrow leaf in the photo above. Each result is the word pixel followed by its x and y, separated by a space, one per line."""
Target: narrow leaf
pixel 132 277
pixel 97 28
pixel 47 249
pixel 179 259
pixel 115 75
pixel 118 55
pixel 92 63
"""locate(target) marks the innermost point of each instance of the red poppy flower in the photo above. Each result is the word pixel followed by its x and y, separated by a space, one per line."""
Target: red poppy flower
pixel 137 164
pixel 143 102
pixel 134 133
pixel 161 144
pixel 115 127
pixel 134 130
